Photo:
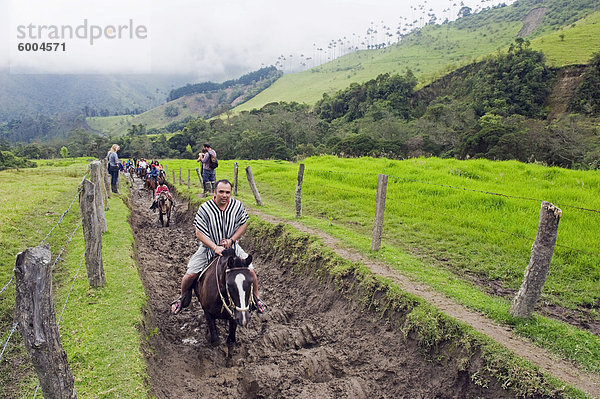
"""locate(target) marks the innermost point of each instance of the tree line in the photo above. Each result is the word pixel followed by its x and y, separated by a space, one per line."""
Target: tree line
pixel 495 109
pixel 262 74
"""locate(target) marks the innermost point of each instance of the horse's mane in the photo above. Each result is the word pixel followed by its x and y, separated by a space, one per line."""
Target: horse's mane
pixel 229 252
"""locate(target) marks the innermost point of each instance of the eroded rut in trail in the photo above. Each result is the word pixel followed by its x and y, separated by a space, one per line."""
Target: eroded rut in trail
pixel 311 344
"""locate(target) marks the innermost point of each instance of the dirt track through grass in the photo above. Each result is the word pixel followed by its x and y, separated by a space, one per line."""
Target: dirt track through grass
pixel 311 344
pixel 563 370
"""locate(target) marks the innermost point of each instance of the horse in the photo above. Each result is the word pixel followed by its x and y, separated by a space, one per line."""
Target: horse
pixel 142 173
pixel 150 184
pixel 165 204
pixel 131 171
pixel 225 291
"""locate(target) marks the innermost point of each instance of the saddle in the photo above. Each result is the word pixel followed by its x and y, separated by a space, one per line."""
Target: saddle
pixel 186 298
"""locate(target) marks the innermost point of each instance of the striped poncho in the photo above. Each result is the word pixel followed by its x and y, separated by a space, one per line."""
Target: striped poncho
pixel 217 224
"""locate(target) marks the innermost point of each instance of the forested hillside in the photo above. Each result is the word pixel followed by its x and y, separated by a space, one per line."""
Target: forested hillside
pixel 499 108
pixel 185 103
pixel 436 50
pixel 511 104
pixel 270 73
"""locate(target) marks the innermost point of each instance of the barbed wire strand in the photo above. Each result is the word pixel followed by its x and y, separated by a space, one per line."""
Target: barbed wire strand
pixel 483 226
pixel 493 193
pixel 58 257
pixel 14 328
pixel 65 212
pixel 7 284
pixel 458 188
pixel 71 290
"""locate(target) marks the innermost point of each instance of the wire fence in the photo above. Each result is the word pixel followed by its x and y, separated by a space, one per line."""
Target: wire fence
pixel 62 217
pixel 7 284
pixel 454 188
pixel 395 179
pixel 60 220
pixel 56 260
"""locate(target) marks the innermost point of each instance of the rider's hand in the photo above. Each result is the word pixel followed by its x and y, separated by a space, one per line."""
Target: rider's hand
pixel 226 242
pixel 219 250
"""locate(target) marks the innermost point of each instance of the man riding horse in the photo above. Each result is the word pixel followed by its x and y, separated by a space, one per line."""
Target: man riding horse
pixel 219 224
pixel 162 188
pixel 153 174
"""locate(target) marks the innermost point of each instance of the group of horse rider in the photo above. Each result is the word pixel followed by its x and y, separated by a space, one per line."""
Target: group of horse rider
pixel 219 223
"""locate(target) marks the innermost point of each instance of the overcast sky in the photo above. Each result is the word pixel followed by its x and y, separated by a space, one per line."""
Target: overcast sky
pixel 212 40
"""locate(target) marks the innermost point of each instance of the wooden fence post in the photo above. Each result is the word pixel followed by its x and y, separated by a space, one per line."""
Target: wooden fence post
pixel 298 193
pixel 188 178
pixel 92 235
pixel 166 172
pixel 253 186
pixel 34 308
pixel 173 176
pixel 379 211
pixel 106 185
pixel 235 178
pixel 180 181
pixel 539 262
pixel 199 177
pixel 95 177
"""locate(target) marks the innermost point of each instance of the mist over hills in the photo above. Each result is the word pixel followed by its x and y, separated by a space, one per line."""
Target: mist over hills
pixel 564 33
pixel 23 95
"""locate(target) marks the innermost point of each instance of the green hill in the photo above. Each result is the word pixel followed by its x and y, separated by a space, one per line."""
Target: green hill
pixel 566 32
pixel 174 115
pixel 438 49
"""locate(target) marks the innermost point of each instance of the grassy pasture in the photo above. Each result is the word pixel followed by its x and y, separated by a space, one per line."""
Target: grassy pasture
pixel 99 327
pixel 442 228
pixel 574 44
pixel 436 234
pixel 430 53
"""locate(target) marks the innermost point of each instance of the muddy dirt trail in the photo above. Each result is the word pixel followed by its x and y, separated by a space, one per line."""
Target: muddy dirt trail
pixel 311 343
pixel 548 362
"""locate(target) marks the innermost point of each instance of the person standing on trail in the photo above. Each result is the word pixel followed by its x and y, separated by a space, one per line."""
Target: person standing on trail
pixel 219 224
pixel 209 176
pixel 113 167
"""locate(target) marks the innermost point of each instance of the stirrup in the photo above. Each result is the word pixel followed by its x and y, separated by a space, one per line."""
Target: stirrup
pixel 259 306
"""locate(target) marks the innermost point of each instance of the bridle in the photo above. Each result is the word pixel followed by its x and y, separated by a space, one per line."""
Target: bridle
pixel 230 301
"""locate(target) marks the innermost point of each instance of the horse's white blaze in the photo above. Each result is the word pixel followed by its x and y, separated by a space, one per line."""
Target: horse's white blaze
pixel 239 281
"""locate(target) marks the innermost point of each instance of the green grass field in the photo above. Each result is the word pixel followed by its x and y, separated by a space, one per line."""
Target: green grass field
pixel 99 327
pixel 441 228
pixel 108 124
pixel 575 44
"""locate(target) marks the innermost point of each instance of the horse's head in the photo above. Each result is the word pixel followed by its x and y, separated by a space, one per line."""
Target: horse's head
pixel 163 202
pixel 240 283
